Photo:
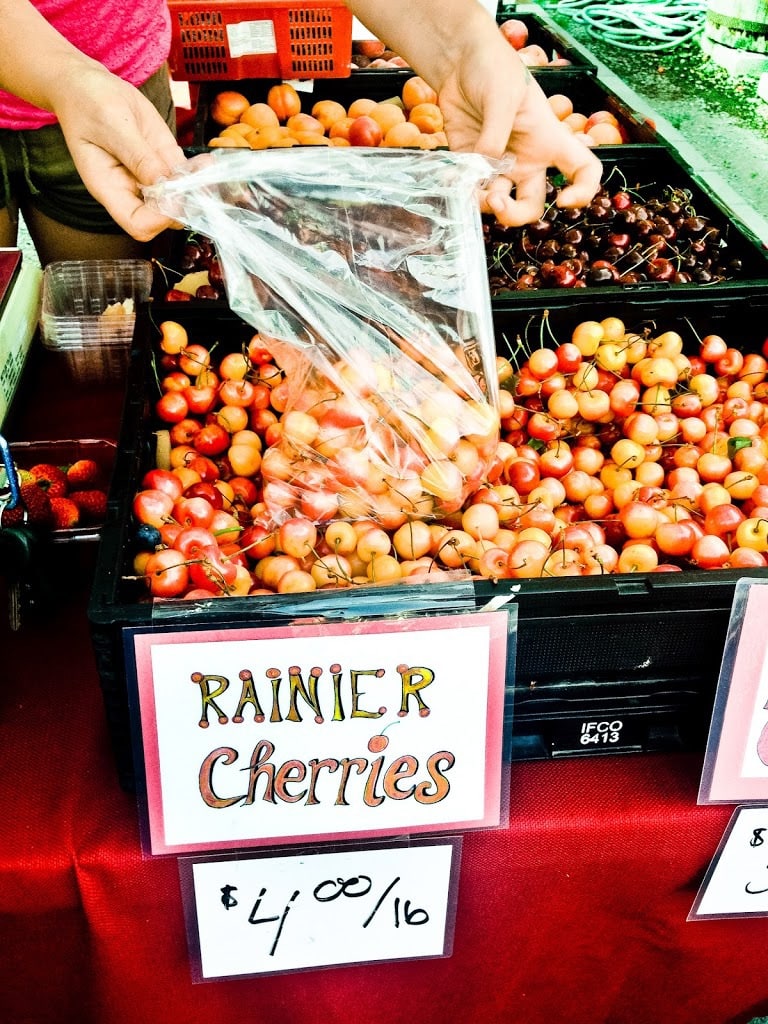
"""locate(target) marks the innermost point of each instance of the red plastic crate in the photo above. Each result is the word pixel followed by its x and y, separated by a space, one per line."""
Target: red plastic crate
pixel 237 39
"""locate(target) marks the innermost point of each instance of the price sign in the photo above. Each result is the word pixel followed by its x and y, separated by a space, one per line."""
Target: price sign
pixel 296 733
pixel 303 910
pixel 736 760
pixel 736 884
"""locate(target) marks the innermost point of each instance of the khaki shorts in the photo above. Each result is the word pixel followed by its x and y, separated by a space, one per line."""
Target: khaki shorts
pixel 36 169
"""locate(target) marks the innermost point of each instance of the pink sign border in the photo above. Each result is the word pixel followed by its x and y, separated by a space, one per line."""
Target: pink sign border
pixel 141 646
pixel 743 659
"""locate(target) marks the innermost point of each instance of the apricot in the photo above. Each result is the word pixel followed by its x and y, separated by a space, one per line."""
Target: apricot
pixel 260 115
pixel 387 115
pixel 562 105
pixel 402 135
pixel 361 107
pixel 328 112
pixel 575 121
pixel 416 91
pixel 304 123
pixel 284 100
pixel 605 134
pixel 340 129
pixel 228 106
pixel 427 117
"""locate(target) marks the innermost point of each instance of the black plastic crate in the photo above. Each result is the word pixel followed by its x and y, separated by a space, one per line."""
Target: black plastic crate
pixel 580 85
pixel 641 652
pixel 619 663
pixel 645 170
pixel 645 173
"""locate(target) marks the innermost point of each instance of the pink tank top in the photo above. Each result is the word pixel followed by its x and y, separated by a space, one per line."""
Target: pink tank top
pixel 131 39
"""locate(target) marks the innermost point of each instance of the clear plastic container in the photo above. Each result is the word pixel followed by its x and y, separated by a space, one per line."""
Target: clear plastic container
pixel 63 452
pixel 88 313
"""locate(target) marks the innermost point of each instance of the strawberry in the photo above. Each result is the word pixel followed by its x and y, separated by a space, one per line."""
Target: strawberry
pixel 52 478
pixel 37 501
pixel 13 517
pixel 34 507
pixel 65 513
pixel 92 504
pixel 82 473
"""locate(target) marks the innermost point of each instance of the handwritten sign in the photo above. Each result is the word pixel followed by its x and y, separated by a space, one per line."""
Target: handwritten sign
pixel 736 884
pixel 267 915
pixel 290 734
pixel 736 760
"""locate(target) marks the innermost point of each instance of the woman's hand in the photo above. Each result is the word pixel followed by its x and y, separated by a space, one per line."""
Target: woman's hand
pixel 489 99
pixel 119 143
pixel 478 99
pixel 117 139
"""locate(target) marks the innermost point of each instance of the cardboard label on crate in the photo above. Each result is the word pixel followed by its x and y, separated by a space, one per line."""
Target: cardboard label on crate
pixel 251 37
pixel 736 883
pixel 259 736
pixel 736 759
pixel 271 914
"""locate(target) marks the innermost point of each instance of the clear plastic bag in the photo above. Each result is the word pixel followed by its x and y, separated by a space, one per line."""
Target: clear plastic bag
pixel 364 273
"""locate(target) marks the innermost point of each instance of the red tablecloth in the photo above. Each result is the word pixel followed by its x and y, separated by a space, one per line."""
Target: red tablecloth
pixel 576 911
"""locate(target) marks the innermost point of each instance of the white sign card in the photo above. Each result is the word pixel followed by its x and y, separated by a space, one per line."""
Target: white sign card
pixel 736 883
pixel 316 731
pixel 269 914
pixel 736 759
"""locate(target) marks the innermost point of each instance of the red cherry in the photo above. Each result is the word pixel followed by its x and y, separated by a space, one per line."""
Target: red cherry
pixel 211 440
pixel 166 573
pixel 204 489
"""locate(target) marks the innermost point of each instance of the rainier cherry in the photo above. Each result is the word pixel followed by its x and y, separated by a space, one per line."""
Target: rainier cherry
pixel 618 453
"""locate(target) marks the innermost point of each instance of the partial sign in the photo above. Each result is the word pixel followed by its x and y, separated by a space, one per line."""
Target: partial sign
pixel 736 884
pixel 736 761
